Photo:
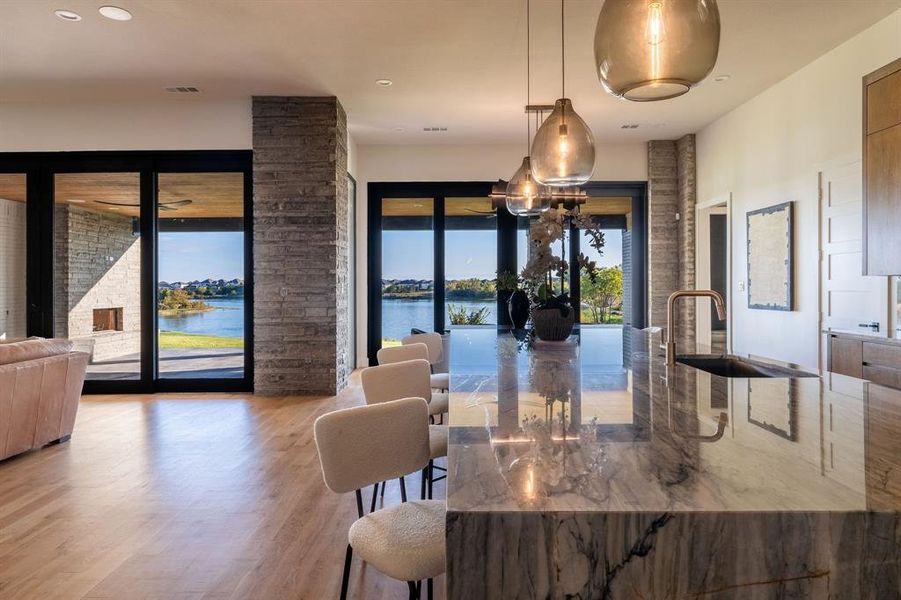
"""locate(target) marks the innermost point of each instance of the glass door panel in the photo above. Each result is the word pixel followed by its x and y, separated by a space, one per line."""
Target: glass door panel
pixel 13 306
pixel 408 267
pixel 200 268
pixel 97 269
pixel 470 263
pixel 603 299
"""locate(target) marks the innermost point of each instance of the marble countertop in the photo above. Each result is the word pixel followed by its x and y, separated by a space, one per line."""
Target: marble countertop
pixel 559 427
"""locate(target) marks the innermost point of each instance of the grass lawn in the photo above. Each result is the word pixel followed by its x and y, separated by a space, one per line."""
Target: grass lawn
pixel 174 339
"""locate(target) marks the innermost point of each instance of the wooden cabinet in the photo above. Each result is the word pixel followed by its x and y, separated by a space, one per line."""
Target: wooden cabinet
pixel 874 359
pixel 882 171
pixel 845 356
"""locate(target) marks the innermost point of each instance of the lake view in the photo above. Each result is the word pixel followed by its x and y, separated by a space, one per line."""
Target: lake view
pixel 399 316
pixel 226 321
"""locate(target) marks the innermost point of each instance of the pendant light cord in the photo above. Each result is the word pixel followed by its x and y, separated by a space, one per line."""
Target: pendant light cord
pixel 528 74
pixel 562 51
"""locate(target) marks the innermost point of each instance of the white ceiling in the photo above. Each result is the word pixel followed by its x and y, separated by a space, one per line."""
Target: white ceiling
pixel 458 64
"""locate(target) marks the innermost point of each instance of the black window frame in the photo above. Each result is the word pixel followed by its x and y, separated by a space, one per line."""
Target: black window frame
pixel 40 168
pixel 507 225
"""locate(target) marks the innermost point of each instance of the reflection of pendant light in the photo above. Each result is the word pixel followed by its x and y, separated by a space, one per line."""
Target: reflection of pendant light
pixel 525 196
pixel 655 49
pixel 563 149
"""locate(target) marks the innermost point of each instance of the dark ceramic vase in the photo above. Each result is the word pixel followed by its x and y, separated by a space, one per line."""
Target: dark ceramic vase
pixel 518 306
pixel 551 325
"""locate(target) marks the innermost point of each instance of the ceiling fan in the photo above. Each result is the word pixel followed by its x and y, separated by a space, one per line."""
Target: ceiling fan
pixel 173 205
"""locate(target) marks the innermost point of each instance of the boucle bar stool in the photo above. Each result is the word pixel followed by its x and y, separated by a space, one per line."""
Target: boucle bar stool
pixel 407 379
pixel 438 403
pixel 361 446
pixel 434 341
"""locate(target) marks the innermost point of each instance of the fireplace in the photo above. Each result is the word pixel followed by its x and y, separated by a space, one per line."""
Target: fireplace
pixel 108 319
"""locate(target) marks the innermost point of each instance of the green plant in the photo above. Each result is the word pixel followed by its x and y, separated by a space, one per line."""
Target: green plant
pixel 178 299
pixel 507 281
pixel 602 293
pixel 460 316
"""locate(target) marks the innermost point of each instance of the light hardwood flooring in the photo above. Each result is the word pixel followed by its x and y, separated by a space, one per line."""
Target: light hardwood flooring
pixel 184 496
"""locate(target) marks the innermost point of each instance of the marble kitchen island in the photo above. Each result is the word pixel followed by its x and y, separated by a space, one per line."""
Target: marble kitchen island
pixel 571 480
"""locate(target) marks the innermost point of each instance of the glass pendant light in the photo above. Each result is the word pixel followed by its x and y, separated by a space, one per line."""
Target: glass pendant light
pixel 525 196
pixel 563 149
pixel 649 50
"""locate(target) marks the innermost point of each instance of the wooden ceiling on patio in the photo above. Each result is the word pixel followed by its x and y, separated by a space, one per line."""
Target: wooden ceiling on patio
pixel 461 207
pixel 212 195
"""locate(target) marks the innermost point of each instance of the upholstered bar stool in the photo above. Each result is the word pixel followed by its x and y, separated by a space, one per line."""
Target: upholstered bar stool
pixel 361 446
pixel 407 379
pixel 435 343
pixel 437 402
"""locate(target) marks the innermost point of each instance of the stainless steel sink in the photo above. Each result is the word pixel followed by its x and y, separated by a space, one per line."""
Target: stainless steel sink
pixel 734 366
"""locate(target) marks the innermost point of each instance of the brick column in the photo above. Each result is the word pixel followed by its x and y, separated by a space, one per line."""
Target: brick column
pixel 301 262
pixel 671 231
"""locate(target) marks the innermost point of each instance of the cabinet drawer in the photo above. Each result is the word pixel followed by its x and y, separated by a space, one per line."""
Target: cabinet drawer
pixel 883 376
pixel 882 355
pixel 845 356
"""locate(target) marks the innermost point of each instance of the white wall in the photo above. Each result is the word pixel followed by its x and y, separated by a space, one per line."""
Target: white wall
pixel 625 162
pixel 770 150
pixel 173 124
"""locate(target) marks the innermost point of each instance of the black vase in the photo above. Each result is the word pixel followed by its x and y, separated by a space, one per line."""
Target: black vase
pixel 518 306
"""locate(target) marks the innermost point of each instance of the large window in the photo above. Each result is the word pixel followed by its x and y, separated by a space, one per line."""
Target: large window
pixel 200 275
pixel 408 267
pixel 470 262
pixel 13 312
pixel 97 269
pixel 435 250
pixel 140 258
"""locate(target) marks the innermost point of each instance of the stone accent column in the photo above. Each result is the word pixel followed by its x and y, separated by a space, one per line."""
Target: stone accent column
pixel 663 228
pixel 685 160
pixel 301 261
pixel 672 198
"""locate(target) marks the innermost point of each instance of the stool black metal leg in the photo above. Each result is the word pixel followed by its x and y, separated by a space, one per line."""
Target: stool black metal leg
pixel 348 556
pixel 403 490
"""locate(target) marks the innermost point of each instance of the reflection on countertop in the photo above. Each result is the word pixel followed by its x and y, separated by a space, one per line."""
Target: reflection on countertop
pixel 541 434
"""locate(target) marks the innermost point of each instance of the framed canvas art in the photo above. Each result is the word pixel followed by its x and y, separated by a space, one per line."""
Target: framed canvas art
pixel 770 257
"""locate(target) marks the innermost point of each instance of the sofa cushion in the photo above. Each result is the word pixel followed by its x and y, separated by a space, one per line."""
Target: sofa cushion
pixel 32 349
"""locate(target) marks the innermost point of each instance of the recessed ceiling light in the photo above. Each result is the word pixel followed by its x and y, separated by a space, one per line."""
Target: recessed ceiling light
pixel 383 82
pixel 67 15
pixel 75 201
pixel 721 78
pixel 115 13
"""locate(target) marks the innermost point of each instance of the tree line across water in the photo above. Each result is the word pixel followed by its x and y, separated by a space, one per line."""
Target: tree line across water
pixel 601 299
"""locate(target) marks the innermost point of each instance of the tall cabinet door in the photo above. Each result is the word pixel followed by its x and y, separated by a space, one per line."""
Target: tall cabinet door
pixel 882 163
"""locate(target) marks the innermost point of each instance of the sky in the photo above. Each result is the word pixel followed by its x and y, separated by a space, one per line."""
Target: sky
pixel 189 256
pixel 409 254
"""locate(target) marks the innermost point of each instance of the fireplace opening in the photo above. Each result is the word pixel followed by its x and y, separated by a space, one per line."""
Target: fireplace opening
pixel 108 319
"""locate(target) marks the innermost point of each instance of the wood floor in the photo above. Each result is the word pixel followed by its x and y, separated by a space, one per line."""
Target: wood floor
pixel 183 497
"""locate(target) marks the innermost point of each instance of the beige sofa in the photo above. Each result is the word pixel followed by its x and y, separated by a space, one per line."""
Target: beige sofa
pixel 40 385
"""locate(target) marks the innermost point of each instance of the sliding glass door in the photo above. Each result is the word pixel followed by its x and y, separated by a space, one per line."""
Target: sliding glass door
pixel 435 250
pixel 13 264
pixel 200 275
pixel 408 268
pixel 97 269
pixel 142 259
pixel 470 259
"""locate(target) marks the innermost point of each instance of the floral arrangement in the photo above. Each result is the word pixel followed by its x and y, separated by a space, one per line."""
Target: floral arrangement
pixel 545 273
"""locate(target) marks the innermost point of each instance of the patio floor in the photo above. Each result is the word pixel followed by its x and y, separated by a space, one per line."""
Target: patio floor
pixel 176 363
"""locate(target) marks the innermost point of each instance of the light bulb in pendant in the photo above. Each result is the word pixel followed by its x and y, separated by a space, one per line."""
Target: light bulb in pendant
pixel 654 31
pixel 525 196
